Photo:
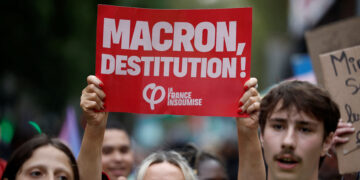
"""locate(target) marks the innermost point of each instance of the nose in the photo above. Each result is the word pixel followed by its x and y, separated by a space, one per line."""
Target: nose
pixel 118 156
pixel 51 177
pixel 289 140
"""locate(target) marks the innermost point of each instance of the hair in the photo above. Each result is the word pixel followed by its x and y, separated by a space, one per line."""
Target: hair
pixel 190 153
pixel 204 156
pixel 195 157
pixel 118 126
pixel 25 151
pixel 171 157
pixel 305 97
pixel 23 132
pixel 114 124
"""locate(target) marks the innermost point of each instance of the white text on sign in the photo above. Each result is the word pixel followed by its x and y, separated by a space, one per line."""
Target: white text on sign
pixel 204 37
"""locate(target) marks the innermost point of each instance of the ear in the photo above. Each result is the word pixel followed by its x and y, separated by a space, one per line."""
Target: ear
pixel 327 144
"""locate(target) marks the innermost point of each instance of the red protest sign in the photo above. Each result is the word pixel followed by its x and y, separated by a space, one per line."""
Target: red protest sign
pixel 185 62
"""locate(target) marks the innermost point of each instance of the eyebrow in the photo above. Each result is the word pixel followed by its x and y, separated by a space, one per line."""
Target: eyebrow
pixel 300 122
pixel 36 165
pixel 303 122
pixel 115 146
pixel 43 167
pixel 278 119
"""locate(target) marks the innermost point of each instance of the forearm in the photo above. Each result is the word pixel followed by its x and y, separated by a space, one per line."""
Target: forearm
pixel 89 159
pixel 251 163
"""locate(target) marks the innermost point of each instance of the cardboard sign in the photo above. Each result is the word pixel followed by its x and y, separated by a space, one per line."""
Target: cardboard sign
pixel 341 72
pixel 329 38
pixel 185 62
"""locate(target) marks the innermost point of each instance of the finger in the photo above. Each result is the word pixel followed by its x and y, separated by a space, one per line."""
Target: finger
pixel 344 131
pixel 96 102
pixel 93 97
pixel 343 124
pixel 91 79
pixel 251 83
pixel 338 140
pixel 90 106
pixel 255 107
pixel 92 88
pixel 249 102
pixel 252 92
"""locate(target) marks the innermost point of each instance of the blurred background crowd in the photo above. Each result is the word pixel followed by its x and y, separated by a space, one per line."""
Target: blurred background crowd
pixel 48 50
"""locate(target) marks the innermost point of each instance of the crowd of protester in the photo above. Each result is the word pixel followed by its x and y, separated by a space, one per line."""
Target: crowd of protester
pixel 298 122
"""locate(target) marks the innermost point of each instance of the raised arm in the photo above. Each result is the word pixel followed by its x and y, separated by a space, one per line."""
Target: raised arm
pixel 92 104
pixel 251 163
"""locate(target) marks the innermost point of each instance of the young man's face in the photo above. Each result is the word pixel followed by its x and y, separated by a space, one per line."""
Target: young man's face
pixel 293 143
pixel 117 155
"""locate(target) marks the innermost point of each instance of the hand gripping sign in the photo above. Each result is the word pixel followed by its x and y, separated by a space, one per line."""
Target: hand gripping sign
pixel 184 62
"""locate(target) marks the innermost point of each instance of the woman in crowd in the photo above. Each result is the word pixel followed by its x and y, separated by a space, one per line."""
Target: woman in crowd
pixel 164 165
pixel 42 158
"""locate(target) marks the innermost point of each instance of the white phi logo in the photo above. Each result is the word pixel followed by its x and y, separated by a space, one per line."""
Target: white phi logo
pixel 152 100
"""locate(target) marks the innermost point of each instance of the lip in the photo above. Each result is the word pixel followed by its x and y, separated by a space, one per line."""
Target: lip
pixel 287 166
pixel 117 172
pixel 294 161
